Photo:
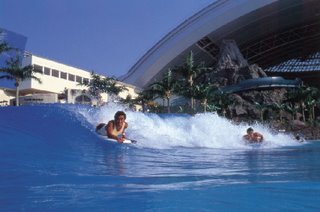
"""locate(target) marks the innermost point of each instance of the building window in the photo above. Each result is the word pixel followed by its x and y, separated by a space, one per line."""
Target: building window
pixel 78 79
pixel 83 99
pixel 55 73
pixel 63 75
pixel 71 77
pixel 47 71
pixel 85 80
pixel 38 68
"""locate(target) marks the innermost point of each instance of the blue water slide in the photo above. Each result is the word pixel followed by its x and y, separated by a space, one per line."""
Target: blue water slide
pixel 264 82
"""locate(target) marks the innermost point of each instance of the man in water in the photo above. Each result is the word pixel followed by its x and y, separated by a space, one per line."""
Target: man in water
pixel 299 138
pixel 115 128
pixel 253 137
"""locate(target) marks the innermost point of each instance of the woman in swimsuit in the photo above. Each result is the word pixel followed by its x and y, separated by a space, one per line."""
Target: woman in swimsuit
pixel 115 128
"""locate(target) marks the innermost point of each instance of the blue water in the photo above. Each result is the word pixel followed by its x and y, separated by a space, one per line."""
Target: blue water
pixel 51 160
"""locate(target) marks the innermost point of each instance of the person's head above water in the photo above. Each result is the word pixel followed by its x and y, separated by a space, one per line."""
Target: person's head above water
pixel 120 118
pixel 115 128
pixel 249 130
pixel 252 136
pixel 120 113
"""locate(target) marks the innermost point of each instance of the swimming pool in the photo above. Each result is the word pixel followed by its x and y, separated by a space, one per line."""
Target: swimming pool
pixel 52 160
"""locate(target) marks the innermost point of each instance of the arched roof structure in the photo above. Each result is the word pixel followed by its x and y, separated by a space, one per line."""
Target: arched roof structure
pixel 267 32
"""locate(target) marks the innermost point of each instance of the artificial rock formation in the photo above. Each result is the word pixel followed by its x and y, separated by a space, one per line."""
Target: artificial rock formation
pixel 233 68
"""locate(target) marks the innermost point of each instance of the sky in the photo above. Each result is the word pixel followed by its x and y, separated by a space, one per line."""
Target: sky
pixel 104 36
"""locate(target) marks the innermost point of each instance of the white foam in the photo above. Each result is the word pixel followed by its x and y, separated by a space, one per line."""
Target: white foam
pixel 202 130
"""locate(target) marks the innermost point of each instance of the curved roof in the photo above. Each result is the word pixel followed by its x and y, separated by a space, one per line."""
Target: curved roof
pixel 267 32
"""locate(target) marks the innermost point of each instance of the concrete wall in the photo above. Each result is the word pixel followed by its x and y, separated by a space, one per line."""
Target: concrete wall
pixel 51 83
pixel 5 97
pixel 57 78
pixel 58 84
pixel 38 99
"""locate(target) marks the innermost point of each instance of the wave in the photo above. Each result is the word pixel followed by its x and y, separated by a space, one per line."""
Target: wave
pixel 206 130
pixel 65 122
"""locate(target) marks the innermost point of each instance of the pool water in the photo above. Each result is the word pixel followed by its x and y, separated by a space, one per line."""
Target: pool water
pixel 51 160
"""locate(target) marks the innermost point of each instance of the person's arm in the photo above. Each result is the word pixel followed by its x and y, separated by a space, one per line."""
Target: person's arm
pixel 261 137
pixel 123 133
pixel 109 131
pixel 247 137
pixel 110 135
pixel 258 136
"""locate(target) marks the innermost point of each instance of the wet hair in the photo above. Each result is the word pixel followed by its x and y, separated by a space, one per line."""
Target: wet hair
pixel 120 113
pixel 249 130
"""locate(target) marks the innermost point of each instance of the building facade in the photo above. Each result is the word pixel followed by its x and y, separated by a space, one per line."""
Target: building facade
pixel 267 32
pixel 60 83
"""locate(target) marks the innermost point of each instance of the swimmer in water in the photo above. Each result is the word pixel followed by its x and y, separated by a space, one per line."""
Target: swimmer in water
pixel 253 137
pixel 115 128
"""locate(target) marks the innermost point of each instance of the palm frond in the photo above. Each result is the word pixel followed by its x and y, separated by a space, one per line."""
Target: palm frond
pixel 8 77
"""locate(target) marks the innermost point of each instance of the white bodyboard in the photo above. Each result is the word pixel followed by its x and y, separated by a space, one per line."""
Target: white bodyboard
pixel 126 141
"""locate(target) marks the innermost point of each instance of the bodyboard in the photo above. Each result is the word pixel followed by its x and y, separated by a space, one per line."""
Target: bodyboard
pixel 126 141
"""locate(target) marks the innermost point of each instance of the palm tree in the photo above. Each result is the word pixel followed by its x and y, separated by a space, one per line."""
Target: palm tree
pixel 301 94
pixel 203 93
pixel 144 97
pixel 190 71
pixel 94 85
pixel 99 84
pixel 311 103
pixel 128 101
pixel 280 107
pixel 291 108
pixel 261 107
pixel 213 107
pixel 221 100
pixel 13 71
pixel 4 47
pixel 165 87
pixel 311 100
pixel 304 95
pixel 112 88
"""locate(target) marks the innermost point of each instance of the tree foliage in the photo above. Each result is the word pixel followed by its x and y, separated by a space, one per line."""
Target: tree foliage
pixel 190 71
pixel 165 87
pixel 306 97
pixel 14 71
pixel 98 85
pixel 4 47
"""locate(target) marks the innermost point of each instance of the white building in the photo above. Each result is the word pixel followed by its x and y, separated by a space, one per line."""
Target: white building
pixel 60 83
